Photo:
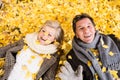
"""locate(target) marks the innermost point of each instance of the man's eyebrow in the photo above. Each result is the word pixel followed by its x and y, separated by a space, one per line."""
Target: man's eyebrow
pixel 78 26
pixel 83 26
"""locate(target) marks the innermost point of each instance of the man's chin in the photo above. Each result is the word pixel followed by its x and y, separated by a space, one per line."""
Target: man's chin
pixel 88 41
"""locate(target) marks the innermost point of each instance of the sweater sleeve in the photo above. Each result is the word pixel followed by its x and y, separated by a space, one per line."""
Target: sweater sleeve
pixel 7 52
pixel 4 49
pixel 51 72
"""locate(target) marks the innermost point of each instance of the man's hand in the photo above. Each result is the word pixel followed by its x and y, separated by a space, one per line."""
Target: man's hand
pixel 67 73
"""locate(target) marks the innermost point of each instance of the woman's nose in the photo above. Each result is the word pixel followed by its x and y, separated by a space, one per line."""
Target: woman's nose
pixel 45 36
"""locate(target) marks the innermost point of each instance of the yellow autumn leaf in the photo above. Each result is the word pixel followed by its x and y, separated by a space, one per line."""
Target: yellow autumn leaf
pixel 17 38
pixel 47 41
pixel 2 62
pixel 2 36
pixel 25 41
pixel 18 52
pixel 48 56
pixel 1 72
pixel 24 67
pixel 34 76
pixel 100 63
pixel 114 73
pixel 104 69
pixel 89 63
pixel 96 76
pixel 97 59
pixel 25 47
pixel 56 43
pixel 94 51
pixel 40 79
pixel 33 57
pixel 28 74
pixel 1 59
pixel 69 57
pixel 111 53
pixel 37 42
pixel 105 46
pixel 60 62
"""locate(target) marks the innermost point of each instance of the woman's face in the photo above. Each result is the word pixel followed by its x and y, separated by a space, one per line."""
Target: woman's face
pixel 85 30
pixel 46 35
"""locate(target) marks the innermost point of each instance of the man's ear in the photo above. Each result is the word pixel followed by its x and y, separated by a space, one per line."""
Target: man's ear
pixel 76 35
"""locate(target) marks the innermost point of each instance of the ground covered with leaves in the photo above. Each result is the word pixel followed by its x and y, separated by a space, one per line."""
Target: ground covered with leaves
pixel 19 17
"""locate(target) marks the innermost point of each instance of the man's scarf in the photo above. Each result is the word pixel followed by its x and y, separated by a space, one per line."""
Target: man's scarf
pixel 110 62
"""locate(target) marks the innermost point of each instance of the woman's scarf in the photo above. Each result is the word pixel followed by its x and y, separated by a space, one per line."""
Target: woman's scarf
pixel 31 40
pixel 82 51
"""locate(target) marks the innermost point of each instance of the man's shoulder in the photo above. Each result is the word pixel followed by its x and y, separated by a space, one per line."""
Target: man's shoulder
pixel 71 52
pixel 71 55
pixel 115 39
pixel 112 36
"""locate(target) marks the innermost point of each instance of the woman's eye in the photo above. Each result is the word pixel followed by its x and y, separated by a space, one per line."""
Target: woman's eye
pixel 49 35
pixel 42 30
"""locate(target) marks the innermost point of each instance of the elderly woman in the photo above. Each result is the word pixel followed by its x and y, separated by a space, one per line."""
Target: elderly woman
pixel 36 56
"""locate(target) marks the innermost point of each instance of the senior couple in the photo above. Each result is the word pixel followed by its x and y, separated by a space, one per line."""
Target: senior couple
pixel 94 56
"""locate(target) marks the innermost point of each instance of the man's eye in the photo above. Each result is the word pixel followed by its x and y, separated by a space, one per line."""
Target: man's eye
pixel 88 26
pixel 81 28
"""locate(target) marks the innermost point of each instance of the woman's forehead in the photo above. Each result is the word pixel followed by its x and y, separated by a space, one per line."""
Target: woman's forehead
pixel 49 29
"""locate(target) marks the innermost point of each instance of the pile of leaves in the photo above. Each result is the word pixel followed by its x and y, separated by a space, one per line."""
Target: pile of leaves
pixel 19 17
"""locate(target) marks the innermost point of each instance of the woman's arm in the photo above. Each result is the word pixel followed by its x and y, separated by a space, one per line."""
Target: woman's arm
pixel 51 72
pixel 7 53
pixel 4 49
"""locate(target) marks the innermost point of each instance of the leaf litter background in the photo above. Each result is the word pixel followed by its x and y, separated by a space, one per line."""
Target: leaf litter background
pixel 19 17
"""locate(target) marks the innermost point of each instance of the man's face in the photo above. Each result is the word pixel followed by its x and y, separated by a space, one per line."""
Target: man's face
pixel 85 30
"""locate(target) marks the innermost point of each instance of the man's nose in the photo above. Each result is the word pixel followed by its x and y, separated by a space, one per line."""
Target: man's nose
pixel 86 29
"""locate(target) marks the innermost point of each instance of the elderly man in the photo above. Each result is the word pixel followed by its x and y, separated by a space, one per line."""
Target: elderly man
pixel 98 54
